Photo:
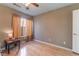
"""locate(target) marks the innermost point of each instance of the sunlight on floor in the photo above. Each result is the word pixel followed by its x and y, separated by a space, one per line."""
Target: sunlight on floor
pixel 23 51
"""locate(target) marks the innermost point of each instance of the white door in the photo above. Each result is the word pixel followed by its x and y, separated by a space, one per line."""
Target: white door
pixel 75 34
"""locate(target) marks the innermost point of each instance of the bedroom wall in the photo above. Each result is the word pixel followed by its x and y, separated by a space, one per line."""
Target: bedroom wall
pixel 55 26
pixel 6 20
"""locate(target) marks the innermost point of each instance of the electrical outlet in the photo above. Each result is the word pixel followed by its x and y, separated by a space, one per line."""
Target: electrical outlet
pixel 64 42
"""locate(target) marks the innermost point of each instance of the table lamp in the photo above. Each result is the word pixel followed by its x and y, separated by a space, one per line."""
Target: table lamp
pixel 10 35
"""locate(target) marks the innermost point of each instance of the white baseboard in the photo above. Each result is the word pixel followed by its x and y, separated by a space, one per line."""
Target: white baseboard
pixel 53 45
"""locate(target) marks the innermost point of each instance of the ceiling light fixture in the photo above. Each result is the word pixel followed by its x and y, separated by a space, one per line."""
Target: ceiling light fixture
pixel 29 2
pixel 26 4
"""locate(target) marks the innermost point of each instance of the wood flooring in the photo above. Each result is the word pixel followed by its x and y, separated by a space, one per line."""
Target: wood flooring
pixel 34 48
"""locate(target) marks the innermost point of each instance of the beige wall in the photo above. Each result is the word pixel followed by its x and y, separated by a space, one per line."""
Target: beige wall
pixel 55 26
pixel 6 19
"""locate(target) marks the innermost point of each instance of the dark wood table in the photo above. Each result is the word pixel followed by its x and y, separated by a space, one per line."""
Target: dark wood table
pixel 8 43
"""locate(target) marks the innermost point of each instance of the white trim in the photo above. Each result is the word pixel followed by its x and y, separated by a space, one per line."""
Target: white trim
pixel 53 45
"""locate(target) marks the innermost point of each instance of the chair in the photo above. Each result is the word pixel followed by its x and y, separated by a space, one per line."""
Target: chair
pixel 2 48
pixel 3 35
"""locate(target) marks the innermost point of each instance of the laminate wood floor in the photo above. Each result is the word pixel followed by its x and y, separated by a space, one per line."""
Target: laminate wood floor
pixel 34 48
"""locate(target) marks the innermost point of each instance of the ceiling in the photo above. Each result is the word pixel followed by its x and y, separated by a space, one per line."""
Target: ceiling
pixel 43 7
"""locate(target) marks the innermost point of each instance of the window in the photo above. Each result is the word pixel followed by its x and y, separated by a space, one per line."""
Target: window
pixel 23 22
pixel 23 27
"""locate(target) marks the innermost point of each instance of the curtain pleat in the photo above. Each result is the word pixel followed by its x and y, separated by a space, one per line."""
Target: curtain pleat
pixel 16 26
pixel 29 28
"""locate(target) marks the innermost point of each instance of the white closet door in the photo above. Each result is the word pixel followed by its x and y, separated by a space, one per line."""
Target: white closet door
pixel 75 33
